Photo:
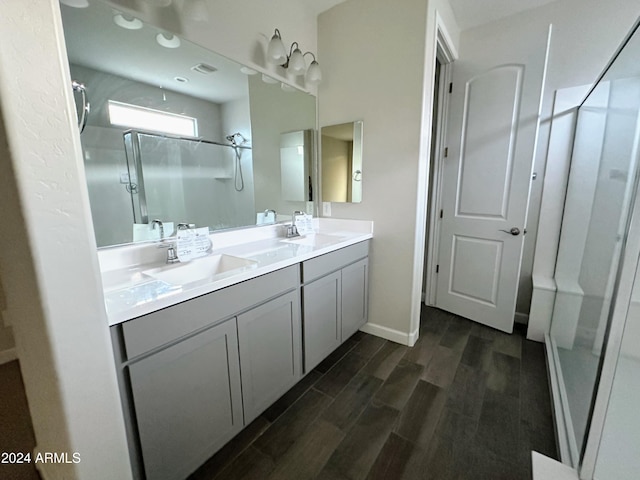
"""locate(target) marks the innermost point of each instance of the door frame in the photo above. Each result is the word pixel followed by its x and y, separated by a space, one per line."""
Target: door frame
pixel 439 39
pixel 446 58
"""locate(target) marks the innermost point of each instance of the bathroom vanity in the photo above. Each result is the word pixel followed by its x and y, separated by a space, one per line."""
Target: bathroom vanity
pixel 199 361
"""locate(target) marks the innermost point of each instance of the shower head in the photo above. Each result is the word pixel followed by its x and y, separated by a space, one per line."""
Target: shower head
pixel 233 139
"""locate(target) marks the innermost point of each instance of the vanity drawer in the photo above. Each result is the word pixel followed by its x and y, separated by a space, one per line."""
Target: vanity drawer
pixel 330 262
pixel 170 324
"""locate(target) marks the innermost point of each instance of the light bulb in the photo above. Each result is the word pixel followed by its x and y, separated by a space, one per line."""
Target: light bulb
pixel 314 75
pixel 276 54
pixel 297 64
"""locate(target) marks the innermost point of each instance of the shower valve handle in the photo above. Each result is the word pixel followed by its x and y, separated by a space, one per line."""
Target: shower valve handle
pixel 515 231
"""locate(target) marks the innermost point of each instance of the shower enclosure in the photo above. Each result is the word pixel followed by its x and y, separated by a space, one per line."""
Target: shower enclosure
pixel 594 341
pixel 183 180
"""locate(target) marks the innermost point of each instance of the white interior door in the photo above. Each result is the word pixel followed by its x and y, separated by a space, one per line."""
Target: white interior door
pixel 486 175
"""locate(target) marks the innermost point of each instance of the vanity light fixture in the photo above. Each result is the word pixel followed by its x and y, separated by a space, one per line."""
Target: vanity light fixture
pixel 127 21
pixel 167 40
pixel 75 3
pixel 294 61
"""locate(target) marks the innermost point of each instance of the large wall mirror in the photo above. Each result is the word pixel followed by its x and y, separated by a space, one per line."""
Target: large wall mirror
pixel 176 132
pixel 342 162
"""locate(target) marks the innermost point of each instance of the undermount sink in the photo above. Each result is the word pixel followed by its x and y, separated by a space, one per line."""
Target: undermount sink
pixel 200 269
pixel 316 240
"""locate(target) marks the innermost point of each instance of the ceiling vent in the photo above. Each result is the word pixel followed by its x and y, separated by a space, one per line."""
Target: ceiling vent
pixel 204 68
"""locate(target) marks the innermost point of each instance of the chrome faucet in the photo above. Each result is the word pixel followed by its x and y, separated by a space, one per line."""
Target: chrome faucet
pixel 172 255
pixel 292 230
pixel 268 211
pixel 160 225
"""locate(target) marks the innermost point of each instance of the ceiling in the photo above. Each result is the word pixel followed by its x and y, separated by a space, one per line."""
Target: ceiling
pixel 472 13
pixel 93 40
pixel 468 13
pixel 319 6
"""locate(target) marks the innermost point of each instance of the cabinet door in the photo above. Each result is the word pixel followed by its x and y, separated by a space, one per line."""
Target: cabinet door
pixel 322 331
pixel 354 297
pixel 187 401
pixel 270 353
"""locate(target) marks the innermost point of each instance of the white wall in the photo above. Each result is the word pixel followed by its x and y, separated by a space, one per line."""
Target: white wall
pixel 48 258
pixel 49 263
pixel 374 54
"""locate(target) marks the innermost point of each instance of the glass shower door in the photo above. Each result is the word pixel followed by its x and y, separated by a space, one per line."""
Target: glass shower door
pixel 602 184
pixel 181 180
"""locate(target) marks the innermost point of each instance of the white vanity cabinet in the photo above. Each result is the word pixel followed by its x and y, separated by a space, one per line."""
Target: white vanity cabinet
pixel 270 352
pixel 334 292
pixel 187 401
pixel 192 375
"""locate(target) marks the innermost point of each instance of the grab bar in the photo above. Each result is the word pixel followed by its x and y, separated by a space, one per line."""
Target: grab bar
pixel 86 106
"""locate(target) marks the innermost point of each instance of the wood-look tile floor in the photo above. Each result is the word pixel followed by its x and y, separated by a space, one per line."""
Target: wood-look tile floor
pixel 16 431
pixel 466 402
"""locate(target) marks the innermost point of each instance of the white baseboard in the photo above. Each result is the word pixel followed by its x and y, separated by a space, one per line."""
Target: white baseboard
pixel 545 468
pixel 387 333
pixel 7 356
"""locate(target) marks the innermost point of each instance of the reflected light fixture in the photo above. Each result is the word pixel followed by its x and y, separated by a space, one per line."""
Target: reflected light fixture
pixel 75 3
pixel 248 71
pixel 167 40
pixel 127 21
pixel 294 61
pixel 268 79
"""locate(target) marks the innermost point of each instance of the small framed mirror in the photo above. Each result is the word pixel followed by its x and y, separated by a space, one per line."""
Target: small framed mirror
pixel 341 163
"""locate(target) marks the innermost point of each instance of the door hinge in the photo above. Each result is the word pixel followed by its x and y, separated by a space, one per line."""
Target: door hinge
pixel 446 152
pixel 440 213
pixel 437 268
pixel 450 87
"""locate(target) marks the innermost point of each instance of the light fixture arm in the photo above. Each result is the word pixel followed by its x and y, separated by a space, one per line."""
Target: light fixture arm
pixel 286 64
pixel 309 53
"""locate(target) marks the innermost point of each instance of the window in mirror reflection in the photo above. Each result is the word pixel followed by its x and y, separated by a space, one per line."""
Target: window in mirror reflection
pixel 342 162
pixel 133 116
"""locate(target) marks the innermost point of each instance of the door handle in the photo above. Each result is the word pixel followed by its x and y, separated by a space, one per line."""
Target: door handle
pixel 515 231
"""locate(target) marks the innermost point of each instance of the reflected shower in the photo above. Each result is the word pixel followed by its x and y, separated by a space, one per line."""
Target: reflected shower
pixel 233 139
pixel 238 181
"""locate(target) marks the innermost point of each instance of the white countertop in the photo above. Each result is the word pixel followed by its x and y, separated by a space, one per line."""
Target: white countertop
pixel 130 293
